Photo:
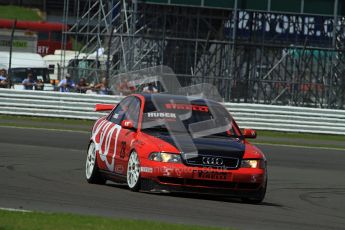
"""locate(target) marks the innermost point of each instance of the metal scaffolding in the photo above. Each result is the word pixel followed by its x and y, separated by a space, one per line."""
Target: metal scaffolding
pixel 258 57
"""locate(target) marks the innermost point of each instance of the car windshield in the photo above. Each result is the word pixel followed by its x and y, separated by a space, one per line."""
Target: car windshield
pixel 198 118
pixel 19 74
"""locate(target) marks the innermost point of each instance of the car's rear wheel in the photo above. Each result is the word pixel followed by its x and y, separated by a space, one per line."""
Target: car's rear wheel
pixel 133 172
pixel 91 169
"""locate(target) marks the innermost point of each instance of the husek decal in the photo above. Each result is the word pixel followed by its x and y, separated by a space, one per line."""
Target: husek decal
pixel 161 115
pixel 103 145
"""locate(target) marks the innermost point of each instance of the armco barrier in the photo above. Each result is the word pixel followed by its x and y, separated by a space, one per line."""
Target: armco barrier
pixel 256 116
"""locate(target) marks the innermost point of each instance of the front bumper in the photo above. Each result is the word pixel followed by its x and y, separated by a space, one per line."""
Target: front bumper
pixel 170 177
pixel 152 186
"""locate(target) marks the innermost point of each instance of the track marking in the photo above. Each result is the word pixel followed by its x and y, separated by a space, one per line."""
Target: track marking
pixel 14 210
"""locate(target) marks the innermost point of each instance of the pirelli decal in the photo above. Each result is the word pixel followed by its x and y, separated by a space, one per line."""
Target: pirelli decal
pixel 201 108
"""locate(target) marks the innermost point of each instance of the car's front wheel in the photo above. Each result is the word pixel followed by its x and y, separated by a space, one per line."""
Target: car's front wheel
pixel 133 172
pixel 258 198
pixel 91 169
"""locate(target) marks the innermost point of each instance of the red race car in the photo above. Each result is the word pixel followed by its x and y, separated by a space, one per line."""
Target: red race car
pixel 169 143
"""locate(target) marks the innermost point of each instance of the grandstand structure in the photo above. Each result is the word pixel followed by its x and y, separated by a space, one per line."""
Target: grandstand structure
pixel 258 51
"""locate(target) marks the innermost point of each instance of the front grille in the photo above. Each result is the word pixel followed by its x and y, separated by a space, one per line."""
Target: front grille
pixel 227 162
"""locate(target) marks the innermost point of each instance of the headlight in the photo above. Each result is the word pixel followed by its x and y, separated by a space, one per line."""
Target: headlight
pixel 165 157
pixel 253 164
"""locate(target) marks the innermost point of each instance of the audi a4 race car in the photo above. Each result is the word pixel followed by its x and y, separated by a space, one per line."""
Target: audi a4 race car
pixel 169 143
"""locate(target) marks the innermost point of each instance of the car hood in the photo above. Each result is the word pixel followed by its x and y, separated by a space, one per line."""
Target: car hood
pixel 214 146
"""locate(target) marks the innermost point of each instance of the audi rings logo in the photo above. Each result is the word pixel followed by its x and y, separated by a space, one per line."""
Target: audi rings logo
pixel 217 161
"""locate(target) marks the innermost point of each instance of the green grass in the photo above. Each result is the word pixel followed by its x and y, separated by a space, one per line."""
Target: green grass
pixel 283 143
pixel 47 119
pixel 307 136
pixel 19 13
pixel 45 122
pixel 52 221
pixel 300 139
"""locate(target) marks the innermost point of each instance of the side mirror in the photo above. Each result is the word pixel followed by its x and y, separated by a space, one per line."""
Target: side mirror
pixel 127 124
pixel 249 133
pixel 104 107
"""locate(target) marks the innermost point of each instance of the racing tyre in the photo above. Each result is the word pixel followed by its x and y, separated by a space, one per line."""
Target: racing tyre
pixel 133 172
pixel 257 199
pixel 91 169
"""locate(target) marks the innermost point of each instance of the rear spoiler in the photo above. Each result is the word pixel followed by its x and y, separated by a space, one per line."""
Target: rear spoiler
pixel 104 107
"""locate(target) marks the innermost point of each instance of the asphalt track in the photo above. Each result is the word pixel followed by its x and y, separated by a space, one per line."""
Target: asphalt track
pixel 43 170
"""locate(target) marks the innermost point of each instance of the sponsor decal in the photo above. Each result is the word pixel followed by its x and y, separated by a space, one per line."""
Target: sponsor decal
pixel 291 28
pixel 103 138
pixel 202 174
pixel 146 169
pixel 43 49
pixel 97 124
pixel 167 171
pixel 161 115
pixel 15 43
pixel 201 108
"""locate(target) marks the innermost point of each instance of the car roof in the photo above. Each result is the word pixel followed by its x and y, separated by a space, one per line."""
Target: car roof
pixel 148 97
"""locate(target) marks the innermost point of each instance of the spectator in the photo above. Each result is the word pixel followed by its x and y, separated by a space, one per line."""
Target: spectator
pixel 3 75
pixel 150 88
pixel 125 88
pixel 39 85
pixel 103 87
pixel 82 86
pixel 4 82
pixel 67 84
pixel 29 82
pixel 54 84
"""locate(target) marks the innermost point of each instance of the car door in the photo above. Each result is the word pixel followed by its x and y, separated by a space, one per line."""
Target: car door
pixel 127 136
pixel 110 136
